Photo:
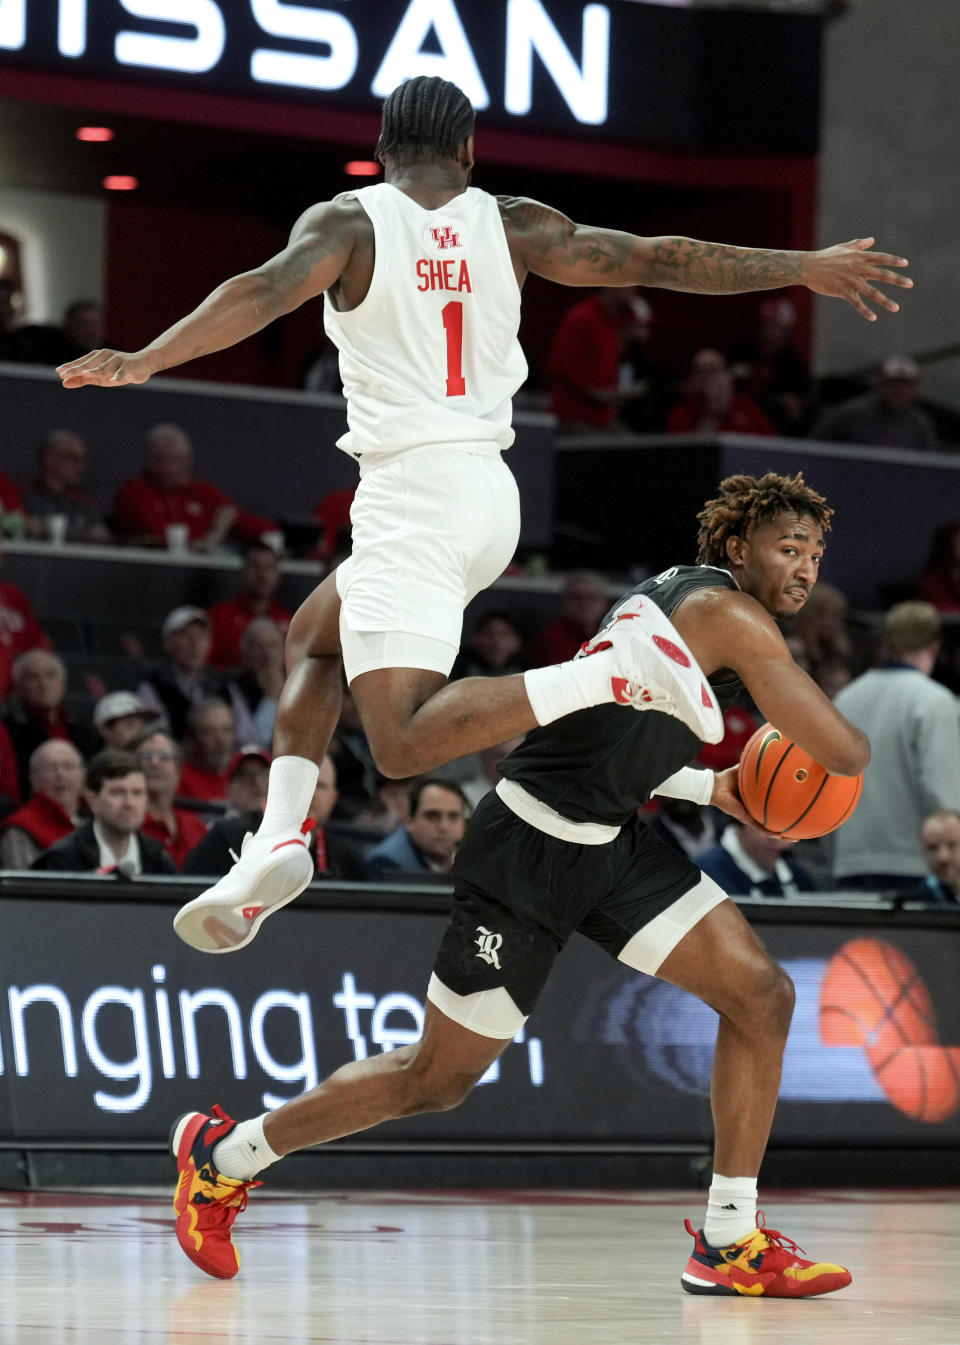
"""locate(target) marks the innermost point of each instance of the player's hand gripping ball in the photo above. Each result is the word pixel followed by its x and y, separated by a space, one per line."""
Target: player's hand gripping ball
pixel 790 794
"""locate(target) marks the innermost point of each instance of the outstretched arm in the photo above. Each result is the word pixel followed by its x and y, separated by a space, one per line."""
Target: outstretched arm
pixel 319 249
pixel 553 246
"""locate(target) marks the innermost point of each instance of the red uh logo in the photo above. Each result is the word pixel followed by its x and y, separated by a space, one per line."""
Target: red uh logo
pixel 445 237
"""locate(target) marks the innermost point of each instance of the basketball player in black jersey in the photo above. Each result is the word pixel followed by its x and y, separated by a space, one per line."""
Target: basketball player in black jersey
pixel 559 848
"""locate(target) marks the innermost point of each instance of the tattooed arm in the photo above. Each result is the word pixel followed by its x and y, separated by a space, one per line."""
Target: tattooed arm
pixel 549 244
pixel 319 248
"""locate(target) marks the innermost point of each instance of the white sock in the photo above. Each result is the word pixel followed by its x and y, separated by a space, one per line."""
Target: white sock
pixel 245 1151
pixel 565 687
pixel 289 792
pixel 731 1209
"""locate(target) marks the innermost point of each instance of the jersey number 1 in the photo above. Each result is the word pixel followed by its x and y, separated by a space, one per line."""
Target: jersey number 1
pixel 453 326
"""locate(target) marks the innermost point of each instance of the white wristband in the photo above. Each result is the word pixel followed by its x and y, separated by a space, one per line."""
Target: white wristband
pixel 687 783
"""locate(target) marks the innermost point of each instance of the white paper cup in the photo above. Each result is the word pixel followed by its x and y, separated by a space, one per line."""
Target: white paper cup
pixel 57 528
pixel 178 535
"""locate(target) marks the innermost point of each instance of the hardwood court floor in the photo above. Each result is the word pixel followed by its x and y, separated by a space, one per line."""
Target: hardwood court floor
pixel 480 1268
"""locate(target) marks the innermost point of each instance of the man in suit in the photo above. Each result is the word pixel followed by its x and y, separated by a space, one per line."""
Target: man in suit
pixel 111 843
pixel 428 841
pixel 940 834
pixel 749 863
pixel 247 774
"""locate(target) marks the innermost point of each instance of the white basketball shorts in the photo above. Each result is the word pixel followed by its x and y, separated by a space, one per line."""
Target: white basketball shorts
pixel 431 529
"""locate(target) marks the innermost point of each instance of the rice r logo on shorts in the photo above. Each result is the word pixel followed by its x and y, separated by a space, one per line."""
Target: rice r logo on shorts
pixel 489 944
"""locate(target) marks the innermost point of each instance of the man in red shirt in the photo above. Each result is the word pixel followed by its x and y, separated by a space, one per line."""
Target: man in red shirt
pixel 586 601
pixel 165 492
pixel 210 746
pixel 177 829
pixel 9 776
pixel 10 502
pixel 585 358
pixel 333 512
pixel 53 809
pixel 259 580
pixel 19 630
pixel 711 406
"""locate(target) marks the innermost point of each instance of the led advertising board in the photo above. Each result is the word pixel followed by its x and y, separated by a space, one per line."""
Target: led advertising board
pixel 110 1027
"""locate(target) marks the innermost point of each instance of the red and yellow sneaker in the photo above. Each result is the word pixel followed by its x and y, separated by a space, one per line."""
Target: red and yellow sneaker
pixel 764 1263
pixel 206 1203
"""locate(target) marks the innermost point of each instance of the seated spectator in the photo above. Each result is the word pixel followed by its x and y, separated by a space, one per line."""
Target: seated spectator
pixel 823 624
pixel 112 843
pixel 586 601
pixel 80 332
pixel 749 863
pixel 333 513
pixel 259 580
pixel 333 856
pixel 769 368
pixel 12 514
pixel 210 743
pixel 485 770
pixel 257 686
pixel 320 371
pixel 586 353
pixel 53 809
pixel 178 830
pixel 644 385
pixel 58 490
pixel 739 726
pixel 940 582
pixel 387 808
pixel 429 840
pixel 493 650
pixel 686 827
pixel 183 679
pixel 166 492
pixel 711 406
pixel 357 774
pixel 19 630
pixel 9 774
pixel 886 418
pixel 121 718
pixel 11 345
pixel 247 776
pixel 36 713
pixel 940 834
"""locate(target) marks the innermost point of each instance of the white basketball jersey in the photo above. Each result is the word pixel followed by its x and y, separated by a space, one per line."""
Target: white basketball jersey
pixel 431 356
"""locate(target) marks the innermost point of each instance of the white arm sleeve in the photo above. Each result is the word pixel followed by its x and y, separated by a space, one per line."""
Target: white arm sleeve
pixel 687 783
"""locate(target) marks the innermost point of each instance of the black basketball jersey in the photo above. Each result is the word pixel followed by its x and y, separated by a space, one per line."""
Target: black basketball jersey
pixel 602 764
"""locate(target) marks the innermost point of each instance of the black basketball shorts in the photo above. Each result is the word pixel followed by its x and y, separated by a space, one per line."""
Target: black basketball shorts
pixel 519 894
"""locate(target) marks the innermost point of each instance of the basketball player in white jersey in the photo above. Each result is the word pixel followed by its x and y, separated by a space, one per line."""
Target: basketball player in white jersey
pixel 422 277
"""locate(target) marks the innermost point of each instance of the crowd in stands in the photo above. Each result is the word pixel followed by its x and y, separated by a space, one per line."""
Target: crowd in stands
pixel 604 378
pixel 600 373
pixel 169 772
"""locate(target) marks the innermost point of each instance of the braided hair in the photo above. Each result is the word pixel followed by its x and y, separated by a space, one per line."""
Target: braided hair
pixel 426 117
pixel 747 502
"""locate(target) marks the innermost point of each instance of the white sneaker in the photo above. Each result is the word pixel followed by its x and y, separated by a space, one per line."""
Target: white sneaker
pixel 656 669
pixel 270 872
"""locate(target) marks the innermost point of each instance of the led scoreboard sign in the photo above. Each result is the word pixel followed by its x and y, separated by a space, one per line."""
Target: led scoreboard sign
pixel 623 69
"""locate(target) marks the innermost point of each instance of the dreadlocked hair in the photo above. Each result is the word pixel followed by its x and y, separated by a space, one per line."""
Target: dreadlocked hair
pixel 425 117
pixel 747 502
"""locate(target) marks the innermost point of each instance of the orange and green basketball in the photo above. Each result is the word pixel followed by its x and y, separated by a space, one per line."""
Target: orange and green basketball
pixel 789 793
